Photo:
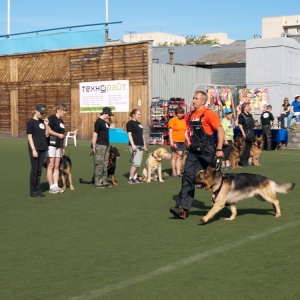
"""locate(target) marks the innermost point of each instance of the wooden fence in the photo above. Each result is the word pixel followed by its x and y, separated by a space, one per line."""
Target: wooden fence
pixel 54 77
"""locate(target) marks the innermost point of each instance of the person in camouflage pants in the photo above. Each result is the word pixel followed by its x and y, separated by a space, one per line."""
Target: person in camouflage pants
pixel 100 143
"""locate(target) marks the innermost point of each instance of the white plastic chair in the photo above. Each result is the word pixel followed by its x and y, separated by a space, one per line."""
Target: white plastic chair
pixel 71 135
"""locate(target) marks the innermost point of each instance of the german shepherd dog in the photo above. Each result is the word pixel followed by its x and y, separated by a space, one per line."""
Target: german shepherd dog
pixel 65 175
pixel 231 188
pixel 236 151
pixel 114 154
pixel 255 151
pixel 65 172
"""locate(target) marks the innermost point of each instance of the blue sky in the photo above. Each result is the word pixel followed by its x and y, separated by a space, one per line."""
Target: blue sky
pixel 239 19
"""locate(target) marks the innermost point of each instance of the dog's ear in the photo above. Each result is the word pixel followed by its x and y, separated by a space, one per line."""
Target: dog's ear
pixel 158 152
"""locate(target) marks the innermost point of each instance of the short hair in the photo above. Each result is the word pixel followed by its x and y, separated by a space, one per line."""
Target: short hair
pixel 204 95
pixel 179 110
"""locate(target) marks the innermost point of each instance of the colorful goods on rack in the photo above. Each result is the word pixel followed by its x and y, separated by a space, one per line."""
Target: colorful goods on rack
pixel 257 98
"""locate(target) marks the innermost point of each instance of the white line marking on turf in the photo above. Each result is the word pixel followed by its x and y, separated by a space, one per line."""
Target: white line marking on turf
pixel 117 286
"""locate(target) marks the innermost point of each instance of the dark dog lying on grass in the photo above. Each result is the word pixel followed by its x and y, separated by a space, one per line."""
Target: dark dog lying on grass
pixel 231 188
pixel 65 175
pixel 114 154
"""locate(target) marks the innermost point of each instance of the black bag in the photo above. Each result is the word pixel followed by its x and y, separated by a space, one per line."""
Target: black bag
pixel 196 148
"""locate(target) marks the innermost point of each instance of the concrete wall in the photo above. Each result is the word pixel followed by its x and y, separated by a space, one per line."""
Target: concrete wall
pixel 275 64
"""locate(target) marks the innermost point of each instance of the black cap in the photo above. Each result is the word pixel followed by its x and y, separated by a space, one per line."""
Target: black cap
pixel 269 106
pixel 107 110
pixel 41 108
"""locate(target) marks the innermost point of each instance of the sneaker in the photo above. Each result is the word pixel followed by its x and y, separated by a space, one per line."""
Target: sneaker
pixel 60 190
pixel 174 175
pixel 179 175
pixel 54 190
pixel 137 181
pixel 131 181
pixel 104 186
pixel 178 212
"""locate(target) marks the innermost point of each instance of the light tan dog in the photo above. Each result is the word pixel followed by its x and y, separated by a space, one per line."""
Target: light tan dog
pixel 152 170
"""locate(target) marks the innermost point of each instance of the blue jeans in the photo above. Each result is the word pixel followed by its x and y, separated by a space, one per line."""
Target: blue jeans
pixel 290 117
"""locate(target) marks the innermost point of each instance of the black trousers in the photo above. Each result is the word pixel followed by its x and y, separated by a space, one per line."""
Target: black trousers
pixel 244 160
pixel 36 172
pixel 267 136
pixel 193 164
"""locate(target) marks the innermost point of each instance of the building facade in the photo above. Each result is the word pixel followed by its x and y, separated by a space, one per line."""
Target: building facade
pixel 274 27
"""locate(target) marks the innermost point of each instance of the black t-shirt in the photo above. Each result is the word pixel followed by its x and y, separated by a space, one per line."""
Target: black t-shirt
pixel 136 130
pixel 37 129
pixel 285 107
pixel 58 126
pixel 266 118
pixel 102 129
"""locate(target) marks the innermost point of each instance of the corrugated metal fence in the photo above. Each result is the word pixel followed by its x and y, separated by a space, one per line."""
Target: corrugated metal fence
pixel 177 81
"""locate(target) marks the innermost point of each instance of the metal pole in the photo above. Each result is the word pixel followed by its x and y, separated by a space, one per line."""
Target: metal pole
pixel 8 18
pixel 106 19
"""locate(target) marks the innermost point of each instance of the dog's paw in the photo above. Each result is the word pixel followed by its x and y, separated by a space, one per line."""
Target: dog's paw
pixel 161 180
pixel 202 220
pixel 72 188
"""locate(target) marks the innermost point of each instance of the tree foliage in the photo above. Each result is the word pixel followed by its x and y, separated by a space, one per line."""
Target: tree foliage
pixel 192 40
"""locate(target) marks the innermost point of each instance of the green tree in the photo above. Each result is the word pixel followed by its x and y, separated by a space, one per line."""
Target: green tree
pixel 192 40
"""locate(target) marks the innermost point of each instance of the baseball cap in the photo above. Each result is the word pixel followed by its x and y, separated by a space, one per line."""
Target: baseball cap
pixel 297 96
pixel 227 111
pixel 107 110
pixel 41 108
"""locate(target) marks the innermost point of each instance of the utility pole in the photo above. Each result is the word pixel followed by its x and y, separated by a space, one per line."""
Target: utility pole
pixel 8 18
pixel 106 20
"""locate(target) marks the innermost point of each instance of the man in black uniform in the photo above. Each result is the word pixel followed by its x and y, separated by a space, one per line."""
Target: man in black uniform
pixel 266 119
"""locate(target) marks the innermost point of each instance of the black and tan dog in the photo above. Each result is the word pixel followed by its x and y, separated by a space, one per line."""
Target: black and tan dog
pixel 114 154
pixel 236 151
pixel 231 188
pixel 255 151
pixel 65 174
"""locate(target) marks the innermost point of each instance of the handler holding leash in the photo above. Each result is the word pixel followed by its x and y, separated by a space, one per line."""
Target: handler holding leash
pixel 201 153
pixel 100 144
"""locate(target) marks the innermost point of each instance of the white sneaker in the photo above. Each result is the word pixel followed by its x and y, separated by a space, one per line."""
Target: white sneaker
pixel 53 190
pixel 60 190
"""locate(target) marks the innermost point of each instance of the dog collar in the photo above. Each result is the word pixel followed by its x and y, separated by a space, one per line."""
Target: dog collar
pixel 156 157
pixel 215 193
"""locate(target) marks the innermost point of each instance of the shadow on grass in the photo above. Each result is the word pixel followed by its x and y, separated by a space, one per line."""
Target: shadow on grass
pixel 224 213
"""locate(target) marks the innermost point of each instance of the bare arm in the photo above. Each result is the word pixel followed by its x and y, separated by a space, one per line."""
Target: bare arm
pixel 221 137
pixel 94 140
pixel 133 146
pixel 242 130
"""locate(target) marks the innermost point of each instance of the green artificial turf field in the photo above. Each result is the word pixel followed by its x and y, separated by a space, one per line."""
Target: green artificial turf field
pixel 122 242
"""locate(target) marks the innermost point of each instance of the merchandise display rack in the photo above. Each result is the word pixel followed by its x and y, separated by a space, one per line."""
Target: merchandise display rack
pixel 160 113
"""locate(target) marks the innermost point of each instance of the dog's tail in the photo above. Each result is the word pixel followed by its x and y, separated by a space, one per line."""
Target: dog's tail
pixel 284 188
pixel 85 181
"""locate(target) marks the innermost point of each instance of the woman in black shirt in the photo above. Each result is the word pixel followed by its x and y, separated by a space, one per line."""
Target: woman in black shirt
pixel 37 133
pixel 136 144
